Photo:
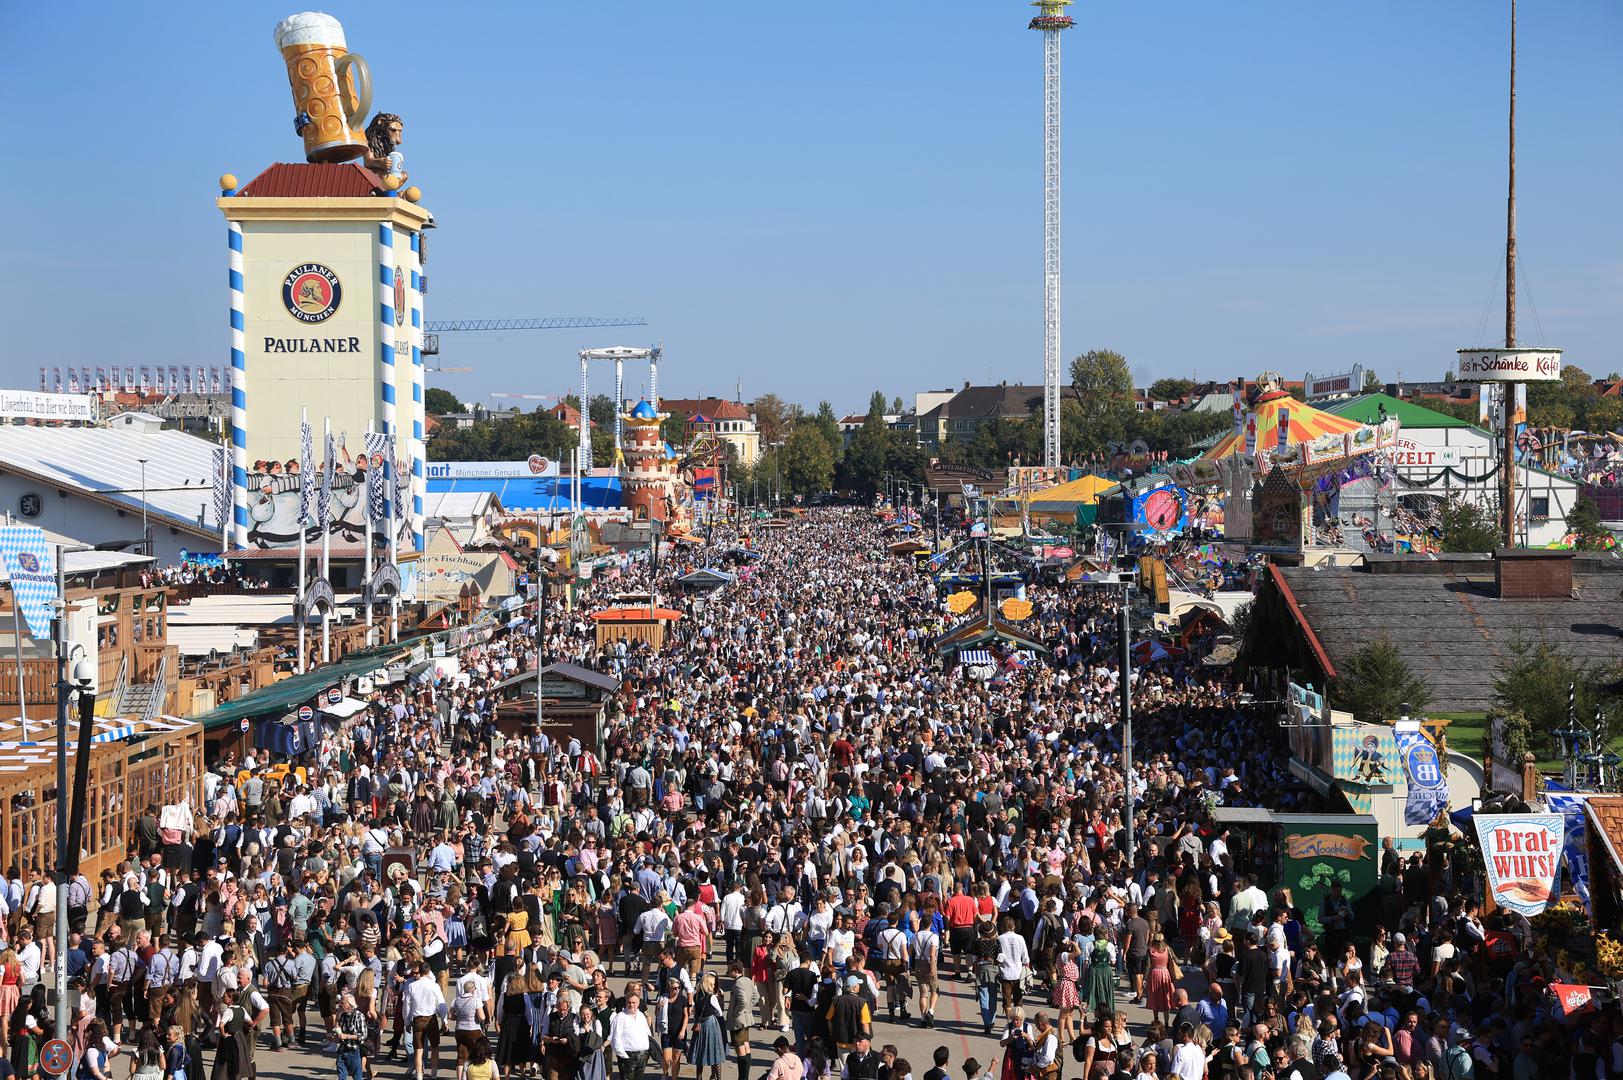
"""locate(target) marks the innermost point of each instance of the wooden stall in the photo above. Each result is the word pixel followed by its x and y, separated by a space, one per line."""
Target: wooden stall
pixel 132 763
pixel 634 624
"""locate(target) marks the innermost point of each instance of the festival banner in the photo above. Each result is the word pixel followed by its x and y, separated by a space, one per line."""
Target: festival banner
pixel 30 563
pixel 1428 785
pixel 222 484
pixel 1570 805
pixel 1522 853
pixel 1572 999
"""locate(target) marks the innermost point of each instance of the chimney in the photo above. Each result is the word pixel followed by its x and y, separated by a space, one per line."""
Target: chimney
pixel 1533 574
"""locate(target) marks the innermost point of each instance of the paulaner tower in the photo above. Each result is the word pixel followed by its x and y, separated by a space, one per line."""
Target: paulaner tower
pixel 1051 20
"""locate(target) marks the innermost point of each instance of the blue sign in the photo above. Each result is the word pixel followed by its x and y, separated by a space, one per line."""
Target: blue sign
pixel 1574 842
pixel 1428 784
pixel 30 563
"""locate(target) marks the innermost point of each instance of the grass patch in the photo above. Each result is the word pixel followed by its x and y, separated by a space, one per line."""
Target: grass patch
pixel 1468 734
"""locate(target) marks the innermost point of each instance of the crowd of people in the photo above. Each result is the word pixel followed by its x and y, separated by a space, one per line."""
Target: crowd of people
pixel 804 830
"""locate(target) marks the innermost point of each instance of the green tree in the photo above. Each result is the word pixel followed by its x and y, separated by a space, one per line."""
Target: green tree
pixel 1104 389
pixel 1372 382
pixel 1376 683
pixel 602 412
pixel 438 402
pixel 512 439
pixel 807 461
pixel 1584 522
pixel 674 429
pixel 867 458
pixel 829 426
pixel 896 405
pixel 1171 389
pixel 1533 681
pixel 1469 526
pixel 876 404
pixel 773 417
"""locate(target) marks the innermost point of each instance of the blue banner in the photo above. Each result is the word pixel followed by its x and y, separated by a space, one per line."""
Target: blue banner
pixel 1570 805
pixel 30 563
pixel 1428 784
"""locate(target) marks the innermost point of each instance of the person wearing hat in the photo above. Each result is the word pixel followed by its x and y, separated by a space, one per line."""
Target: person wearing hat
pixel 849 1018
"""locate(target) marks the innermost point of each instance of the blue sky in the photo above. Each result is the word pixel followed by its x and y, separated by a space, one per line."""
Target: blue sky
pixel 822 200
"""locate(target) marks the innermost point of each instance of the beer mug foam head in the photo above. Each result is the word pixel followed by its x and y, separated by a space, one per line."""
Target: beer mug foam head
pixel 310 28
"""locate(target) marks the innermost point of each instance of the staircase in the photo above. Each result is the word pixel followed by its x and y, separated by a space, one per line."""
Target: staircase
pixel 144 701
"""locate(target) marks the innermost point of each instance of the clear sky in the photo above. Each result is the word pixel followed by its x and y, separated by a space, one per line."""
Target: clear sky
pixel 822 200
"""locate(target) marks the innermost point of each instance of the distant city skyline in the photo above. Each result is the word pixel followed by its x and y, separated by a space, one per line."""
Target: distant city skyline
pixel 825 203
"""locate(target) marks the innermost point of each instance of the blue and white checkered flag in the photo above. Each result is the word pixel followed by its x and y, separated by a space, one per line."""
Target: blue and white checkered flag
pixel 377 450
pixel 329 465
pixel 399 482
pixel 307 470
pixel 222 485
pixel 30 563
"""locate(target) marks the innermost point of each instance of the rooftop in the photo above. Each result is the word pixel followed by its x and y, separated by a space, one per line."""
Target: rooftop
pixel 105 464
pixel 1446 618
pixel 1366 409
pixel 284 180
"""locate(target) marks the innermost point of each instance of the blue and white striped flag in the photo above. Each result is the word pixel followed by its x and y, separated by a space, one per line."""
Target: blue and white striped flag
pixel 307 469
pixel 329 465
pixel 377 451
pixel 222 484
pixel 30 563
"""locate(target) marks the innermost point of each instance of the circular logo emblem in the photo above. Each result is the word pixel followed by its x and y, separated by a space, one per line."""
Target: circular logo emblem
pixel 399 297
pixel 377 461
pixel 334 696
pixel 306 712
pixel 28 561
pixel 311 293
pixel 30 504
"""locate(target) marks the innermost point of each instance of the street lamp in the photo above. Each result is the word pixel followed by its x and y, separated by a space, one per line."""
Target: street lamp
pixel 146 536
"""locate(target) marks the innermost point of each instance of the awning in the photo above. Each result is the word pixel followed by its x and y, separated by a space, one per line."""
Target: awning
pixel 975 657
pixel 345 708
pixel 298 689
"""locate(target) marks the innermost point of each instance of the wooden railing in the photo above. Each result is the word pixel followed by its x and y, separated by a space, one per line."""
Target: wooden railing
pixel 39 681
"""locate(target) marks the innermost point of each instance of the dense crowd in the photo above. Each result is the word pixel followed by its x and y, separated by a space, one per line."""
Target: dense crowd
pixel 803 827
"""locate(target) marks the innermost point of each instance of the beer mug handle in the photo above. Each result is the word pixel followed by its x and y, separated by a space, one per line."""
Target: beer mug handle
pixel 361 79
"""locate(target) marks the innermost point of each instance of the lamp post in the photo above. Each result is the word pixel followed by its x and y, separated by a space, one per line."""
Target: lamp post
pixel 1126 725
pixel 64 692
pixel 146 536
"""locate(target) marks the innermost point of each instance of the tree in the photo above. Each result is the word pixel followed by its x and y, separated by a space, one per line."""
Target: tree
pixel 674 429
pixel 1104 388
pixel 829 425
pixel 1584 522
pixel 1534 681
pixel 896 405
pixel 876 404
pixel 807 461
pixel 1372 383
pixel 438 402
pixel 1171 389
pixel 773 416
pixel 603 411
pixel 508 439
pixel 1469 526
pixel 1376 683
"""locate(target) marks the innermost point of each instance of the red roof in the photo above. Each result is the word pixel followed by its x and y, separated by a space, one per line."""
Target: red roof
pixel 710 408
pixel 346 180
pixel 636 614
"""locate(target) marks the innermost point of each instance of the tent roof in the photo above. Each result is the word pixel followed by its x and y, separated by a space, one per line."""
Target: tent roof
pixel 298 689
pixel 1366 409
pixel 1306 424
pixel 1084 490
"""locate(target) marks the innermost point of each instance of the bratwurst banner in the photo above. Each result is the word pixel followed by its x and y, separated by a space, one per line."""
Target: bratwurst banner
pixel 1522 853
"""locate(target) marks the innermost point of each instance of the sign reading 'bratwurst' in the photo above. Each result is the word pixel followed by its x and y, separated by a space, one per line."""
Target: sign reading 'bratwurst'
pixel 1521 853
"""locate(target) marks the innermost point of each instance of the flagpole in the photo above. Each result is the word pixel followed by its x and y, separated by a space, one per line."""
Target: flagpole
pixel 225 478
pixel 326 533
pixel 304 503
pixel 366 587
pixel 390 493
pixel 17 637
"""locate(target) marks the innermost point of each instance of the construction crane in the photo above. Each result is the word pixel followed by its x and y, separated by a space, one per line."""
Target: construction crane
pixel 433 330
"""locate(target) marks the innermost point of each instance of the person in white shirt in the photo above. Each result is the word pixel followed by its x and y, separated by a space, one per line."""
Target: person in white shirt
pixel 1013 959
pixel 630 1038
pixel 731 917
pixel 29 958
pixel 1188 1060
pixel 423 1007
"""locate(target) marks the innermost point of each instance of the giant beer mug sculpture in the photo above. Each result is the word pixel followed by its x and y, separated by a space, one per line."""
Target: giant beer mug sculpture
pixel 332 88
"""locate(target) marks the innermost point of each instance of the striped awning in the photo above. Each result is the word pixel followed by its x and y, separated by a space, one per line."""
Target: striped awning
pixel 1301 423
pixel 975 657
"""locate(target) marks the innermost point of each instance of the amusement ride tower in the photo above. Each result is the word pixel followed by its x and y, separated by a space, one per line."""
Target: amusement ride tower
pixel 1051 20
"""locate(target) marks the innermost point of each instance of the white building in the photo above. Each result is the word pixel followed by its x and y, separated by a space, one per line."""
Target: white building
pixel 1446 456
pixel 89 483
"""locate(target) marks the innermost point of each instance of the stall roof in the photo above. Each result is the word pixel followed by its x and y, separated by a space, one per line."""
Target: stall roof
pixel 296 689
pixel 571 672
pixel 1242 815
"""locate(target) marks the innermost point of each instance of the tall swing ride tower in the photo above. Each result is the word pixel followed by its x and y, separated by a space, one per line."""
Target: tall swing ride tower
pixel 1051 20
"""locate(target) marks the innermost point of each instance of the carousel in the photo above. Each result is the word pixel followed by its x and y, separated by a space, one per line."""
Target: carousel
pixel 1281 470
